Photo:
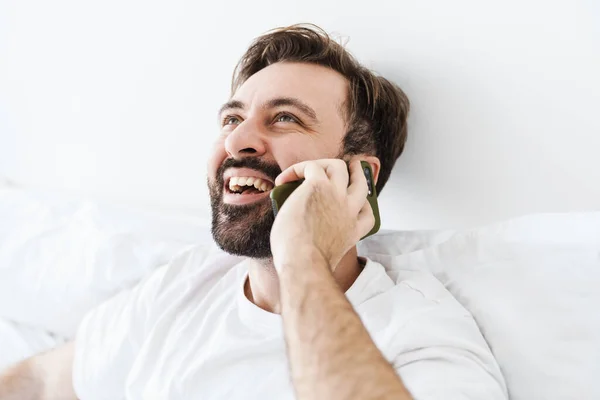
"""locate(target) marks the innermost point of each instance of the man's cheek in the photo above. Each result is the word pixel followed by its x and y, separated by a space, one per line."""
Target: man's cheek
pixel 216 157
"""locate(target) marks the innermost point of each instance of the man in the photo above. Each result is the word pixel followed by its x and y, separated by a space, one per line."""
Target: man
pixel 289 310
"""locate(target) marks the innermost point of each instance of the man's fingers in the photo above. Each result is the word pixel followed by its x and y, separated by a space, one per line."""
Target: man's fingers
pixel 313 172
pixel 366 220
pixel 358 189
pixel 337 170
pixel 332 169
pixel 295 172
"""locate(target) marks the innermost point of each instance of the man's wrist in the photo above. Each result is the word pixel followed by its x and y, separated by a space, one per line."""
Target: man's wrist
pixel 301 257
pixel 305 266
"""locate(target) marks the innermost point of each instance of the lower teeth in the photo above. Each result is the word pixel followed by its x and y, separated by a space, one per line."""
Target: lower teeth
pixel 250 191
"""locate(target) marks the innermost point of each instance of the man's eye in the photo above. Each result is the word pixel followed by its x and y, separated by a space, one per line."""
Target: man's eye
pixel 285 118
pixel 231 120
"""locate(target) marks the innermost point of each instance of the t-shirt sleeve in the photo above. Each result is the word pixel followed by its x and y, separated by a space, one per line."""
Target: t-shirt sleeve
pixel 447 357
pixel 109 337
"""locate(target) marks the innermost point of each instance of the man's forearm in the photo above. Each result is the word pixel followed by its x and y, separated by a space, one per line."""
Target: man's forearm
pixel 46 376
pixel 330 352
pixel 20 383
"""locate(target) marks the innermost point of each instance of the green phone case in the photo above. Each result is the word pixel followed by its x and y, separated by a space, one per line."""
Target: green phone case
pixel 280 193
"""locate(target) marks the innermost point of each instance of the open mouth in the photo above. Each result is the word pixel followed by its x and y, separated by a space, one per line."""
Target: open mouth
pixel 248 185
pixel 246 190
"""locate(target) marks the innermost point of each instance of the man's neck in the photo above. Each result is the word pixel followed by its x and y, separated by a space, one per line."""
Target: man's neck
pixel 262 286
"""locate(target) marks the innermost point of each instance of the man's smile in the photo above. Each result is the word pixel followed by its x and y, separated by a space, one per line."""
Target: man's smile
pixel 245 186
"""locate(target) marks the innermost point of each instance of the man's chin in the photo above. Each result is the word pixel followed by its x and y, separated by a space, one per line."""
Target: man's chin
pixel 243 230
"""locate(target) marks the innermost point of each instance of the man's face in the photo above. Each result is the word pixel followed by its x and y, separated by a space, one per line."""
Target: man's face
pixel 282 115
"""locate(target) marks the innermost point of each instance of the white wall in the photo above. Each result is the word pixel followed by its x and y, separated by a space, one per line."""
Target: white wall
pixel 118 98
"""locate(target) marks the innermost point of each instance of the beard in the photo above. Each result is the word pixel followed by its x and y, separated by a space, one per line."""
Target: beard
pixel 242 230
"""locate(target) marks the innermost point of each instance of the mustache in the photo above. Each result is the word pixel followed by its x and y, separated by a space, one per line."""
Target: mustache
pixel 271 170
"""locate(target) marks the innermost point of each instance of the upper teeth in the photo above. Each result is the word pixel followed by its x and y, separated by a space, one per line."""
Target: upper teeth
pixel 236 183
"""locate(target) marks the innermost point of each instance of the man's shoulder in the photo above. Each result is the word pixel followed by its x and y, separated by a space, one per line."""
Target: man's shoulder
pixel 415 287
pixel 420 285
pixel 197 266
pixel 429 336
pixel 203 257
pixel 410 301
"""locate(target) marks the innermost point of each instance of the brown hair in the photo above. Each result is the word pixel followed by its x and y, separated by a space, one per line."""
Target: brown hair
pixel 375 110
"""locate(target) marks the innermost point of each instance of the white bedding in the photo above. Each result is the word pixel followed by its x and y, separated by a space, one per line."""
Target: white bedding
pixel 61 256
pixel 531 283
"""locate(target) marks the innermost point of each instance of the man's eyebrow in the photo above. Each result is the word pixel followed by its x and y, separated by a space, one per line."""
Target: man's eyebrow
pixel 231 105
pixel 274 103
pixel 292 102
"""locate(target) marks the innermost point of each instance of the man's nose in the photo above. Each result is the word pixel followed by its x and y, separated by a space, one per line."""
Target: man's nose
pixel 246 139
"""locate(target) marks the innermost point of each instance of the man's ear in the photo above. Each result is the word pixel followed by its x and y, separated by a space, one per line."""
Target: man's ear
pixel 375 165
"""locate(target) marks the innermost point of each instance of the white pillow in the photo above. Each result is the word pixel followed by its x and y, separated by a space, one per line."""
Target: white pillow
pixel 4 181
pixel 60 257
pixel 533 286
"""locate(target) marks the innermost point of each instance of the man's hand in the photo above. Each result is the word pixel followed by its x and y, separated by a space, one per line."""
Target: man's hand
pixel 324 213
pixel 330 352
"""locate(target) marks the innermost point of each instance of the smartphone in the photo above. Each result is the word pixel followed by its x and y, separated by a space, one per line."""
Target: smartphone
pixel 280 193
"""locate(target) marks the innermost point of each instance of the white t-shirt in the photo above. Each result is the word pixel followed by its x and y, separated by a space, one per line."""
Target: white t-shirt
pixel 189 332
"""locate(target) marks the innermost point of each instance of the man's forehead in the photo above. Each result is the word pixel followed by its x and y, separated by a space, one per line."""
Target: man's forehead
pixel 320 88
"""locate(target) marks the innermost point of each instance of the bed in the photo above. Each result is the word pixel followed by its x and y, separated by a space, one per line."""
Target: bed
pixel 530 282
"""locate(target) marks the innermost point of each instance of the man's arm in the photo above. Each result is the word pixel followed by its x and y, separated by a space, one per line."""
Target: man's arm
pixel 330 352
pixel 47 376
